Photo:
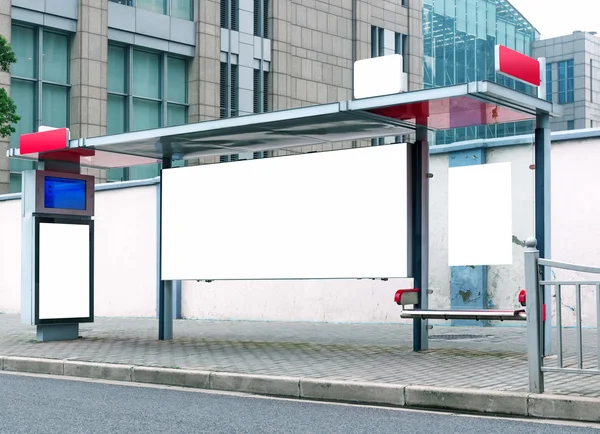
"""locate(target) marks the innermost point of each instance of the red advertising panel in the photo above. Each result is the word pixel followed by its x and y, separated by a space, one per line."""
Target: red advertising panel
pixel 518 66
pixel 51 140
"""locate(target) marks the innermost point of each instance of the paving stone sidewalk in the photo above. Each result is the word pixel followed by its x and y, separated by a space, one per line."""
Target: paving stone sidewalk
pixel 492 358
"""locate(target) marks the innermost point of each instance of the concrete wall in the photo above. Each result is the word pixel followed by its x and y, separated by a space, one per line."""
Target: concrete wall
pixel 126 252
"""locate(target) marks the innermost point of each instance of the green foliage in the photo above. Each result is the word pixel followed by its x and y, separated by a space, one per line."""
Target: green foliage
pixel 8 108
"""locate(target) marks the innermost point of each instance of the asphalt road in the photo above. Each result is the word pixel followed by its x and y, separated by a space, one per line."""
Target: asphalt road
pixel 33 404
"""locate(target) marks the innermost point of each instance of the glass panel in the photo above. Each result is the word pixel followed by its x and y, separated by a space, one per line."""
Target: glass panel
pixel 55 108
pixel 158 6
pixel 177 80
pixel 182 9
pixel 450 8
pixel 145 171
pixel 491 19
pixel 23 44
pixel 23 94
pixel 176 115
pixel 481 20
pixel 115 174
pixel 55 64
pixel 115 114
pixel 471 17
pixel 146 115
pixel 117 75
pixel 439 7
pixel 15 182
pixel 146 74
pixel 461 15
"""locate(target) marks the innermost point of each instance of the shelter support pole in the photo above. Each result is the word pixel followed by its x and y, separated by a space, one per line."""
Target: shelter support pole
pixel 542 214
pixel 165 288
pixel 420 232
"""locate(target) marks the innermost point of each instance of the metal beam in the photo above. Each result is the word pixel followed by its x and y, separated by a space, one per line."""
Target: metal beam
pixel 420 233
pixel 542 213
pixel 165 289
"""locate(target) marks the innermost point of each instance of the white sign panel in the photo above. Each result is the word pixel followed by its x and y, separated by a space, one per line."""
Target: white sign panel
pixel 480 215
pixel 328 215
pixel 64 271
pixel 379 76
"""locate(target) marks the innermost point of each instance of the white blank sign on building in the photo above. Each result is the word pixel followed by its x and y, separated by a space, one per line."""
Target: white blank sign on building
pixel 328 215
pixel 480 215
pixel 64 271
pixel 377 76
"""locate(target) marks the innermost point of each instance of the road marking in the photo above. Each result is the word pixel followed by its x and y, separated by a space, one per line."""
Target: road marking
pixel 304 401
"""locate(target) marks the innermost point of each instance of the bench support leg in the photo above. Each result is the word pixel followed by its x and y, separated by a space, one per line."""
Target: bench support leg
pixel 419 164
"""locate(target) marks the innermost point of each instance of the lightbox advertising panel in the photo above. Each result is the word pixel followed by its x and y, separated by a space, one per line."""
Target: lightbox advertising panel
pixel 63 278
pixel 329 215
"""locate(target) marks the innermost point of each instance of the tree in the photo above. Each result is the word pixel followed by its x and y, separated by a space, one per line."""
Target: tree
pixel 8 108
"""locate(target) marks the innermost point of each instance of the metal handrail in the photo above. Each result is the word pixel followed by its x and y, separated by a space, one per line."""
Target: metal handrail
pixel 567 266
pixel 535 316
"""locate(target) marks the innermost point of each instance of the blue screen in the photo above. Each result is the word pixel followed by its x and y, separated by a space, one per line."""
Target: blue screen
pixel 64 193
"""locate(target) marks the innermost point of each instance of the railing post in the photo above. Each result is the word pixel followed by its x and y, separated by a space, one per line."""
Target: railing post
pixel 534 318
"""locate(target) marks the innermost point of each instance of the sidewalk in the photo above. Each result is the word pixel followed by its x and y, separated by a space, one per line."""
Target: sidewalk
pixel 475 358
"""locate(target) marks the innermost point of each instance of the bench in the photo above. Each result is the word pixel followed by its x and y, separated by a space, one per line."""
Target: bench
pixel 406 297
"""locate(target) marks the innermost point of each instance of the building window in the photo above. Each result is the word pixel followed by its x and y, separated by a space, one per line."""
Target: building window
pixel 229 90
pixel 566 82
pixel 261 91
pixel 39 86
pixel 146 90
pixel 177 8
pixel 570 125
pixel 549 82
pixel 261 18
pixel 229 14
pixel 385 43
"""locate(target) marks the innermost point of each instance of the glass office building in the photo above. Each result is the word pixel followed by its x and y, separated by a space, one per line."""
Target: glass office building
pixel 459 37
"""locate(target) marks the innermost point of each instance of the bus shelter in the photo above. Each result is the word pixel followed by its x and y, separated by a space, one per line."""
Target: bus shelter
pixel 420 112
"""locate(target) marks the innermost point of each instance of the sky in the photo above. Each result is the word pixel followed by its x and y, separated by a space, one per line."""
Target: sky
pixel 560 17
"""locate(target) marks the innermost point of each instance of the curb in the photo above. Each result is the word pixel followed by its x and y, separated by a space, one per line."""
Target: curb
pixel 546 406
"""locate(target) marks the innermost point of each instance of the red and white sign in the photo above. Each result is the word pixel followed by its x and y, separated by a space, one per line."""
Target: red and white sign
pixel 44 141
pixel 518 66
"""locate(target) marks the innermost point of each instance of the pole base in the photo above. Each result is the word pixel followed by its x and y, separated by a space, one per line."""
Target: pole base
pixel 57 332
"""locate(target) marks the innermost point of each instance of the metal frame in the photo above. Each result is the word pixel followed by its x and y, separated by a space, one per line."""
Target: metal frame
pixel 71 221
pixel 159 143
pixel 537 286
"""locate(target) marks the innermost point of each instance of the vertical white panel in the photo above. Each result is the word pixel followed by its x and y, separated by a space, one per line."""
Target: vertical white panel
pixel 64 273
pixel 480 215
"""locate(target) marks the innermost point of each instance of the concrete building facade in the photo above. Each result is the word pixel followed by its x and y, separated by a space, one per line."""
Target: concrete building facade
pixel 112 66
pixel 573 78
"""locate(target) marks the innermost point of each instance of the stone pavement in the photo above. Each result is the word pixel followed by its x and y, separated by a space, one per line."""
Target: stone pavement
pixel 491 358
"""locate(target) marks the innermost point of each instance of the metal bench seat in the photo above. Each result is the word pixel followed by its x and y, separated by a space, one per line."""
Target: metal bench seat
pixel 472 314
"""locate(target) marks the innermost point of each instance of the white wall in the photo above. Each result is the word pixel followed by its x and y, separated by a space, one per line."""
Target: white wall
pixel 126 252
pixel 10 256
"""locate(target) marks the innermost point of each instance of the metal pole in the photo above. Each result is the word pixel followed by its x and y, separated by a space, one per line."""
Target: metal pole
pixel 534 323
pixel 165 290
pixel 542 212
pixel 420 231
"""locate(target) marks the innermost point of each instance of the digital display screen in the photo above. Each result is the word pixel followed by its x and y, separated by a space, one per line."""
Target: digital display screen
pixel 64 193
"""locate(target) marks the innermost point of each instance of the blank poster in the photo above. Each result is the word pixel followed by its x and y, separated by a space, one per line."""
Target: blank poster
pixel 328 215
pixel 480 215
pixel 64 276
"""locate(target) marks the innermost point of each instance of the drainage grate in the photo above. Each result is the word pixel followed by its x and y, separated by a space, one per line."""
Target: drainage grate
pixel 457 337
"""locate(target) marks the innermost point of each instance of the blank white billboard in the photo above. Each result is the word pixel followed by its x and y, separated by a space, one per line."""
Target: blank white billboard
pixel 377 76
pixel 328 215
pixel 480 215
pixel 64 271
